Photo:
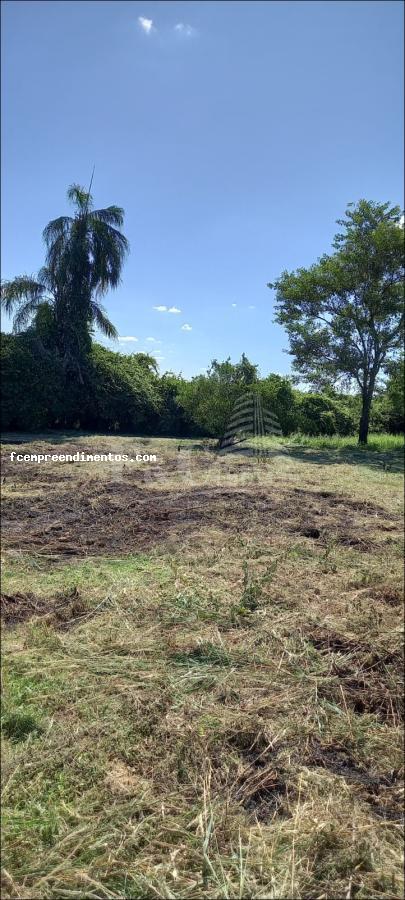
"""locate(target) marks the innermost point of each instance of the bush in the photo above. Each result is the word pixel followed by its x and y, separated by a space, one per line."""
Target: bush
pixel 318 414
pixel 32 395
pixel 124 392
pixel 118 392
pixel 278 398
pixel 208 400
pixel 174 419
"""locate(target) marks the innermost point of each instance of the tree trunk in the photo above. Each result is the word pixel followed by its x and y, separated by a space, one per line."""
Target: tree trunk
pixel 364 420
pixel 367 397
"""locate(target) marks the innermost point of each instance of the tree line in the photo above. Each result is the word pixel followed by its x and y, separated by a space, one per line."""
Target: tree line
pixel 125 393
pixel 343 316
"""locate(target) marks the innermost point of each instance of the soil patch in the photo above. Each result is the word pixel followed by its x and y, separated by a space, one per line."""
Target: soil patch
pixel 125 516
pixel 61 611
pixel 380 791
pixel 367 680
pixel 391 596
pixel 261 785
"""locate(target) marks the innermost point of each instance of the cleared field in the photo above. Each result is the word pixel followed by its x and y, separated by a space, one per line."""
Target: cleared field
pixel 202 679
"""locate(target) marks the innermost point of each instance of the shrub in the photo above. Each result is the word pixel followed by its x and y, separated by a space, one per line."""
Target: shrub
pixel 32 395
pixel 318 414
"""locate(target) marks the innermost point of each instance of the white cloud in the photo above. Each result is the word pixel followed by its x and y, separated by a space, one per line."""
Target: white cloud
pixel 170 309
pixel 127 337
pixel 186 327
pixel 184 30
pixel 146 24
pixel 251 307
pixel 152 340
pixel 233 304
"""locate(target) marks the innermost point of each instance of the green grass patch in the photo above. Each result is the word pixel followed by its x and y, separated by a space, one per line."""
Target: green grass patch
pixel 205 654
pixel 18 725
pixel 46 576
pixel 377 443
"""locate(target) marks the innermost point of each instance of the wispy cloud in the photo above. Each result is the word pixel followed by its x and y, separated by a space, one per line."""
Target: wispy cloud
pixel 146 24
pixel 233 304
pixel 173 309
pixel 251 306
pixel 152 340
pixel 160 308
pixel 186 327
pixel 184 30
pixel 127 337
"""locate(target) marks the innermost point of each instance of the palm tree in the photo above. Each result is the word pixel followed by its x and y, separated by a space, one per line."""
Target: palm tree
pixel 84 258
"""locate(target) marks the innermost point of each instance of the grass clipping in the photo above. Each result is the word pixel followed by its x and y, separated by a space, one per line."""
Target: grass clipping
pixel 214 715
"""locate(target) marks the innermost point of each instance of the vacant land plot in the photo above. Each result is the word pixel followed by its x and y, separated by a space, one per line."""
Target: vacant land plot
pixel 202 672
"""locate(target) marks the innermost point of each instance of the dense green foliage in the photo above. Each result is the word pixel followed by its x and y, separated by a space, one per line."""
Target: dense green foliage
pixel 320 414
pixel 31 391
pixel 124 393
pixel 344 315
pixel 118 392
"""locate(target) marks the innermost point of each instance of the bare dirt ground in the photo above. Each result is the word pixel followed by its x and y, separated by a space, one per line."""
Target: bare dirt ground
pixel 135 512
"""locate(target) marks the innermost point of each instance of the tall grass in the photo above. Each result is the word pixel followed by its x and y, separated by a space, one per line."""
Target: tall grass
pixel 376 442
pixel 380 443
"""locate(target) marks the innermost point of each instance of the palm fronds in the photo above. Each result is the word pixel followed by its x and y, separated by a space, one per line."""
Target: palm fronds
pixel 108 248
pixel 81 198
pixel 57 229
pixel 84 258
pixel 100 318
pixel 21 290
pixel 112 215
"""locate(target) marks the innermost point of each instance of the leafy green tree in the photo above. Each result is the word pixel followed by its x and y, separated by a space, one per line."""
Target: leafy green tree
pixel 124 394
pixel 84 259
pixel 344 315
pixel 243 373
pixel 209 399
pixel 278 398
pixel 147 362
pixel 208 403
pixel 118 394
pixel 173 418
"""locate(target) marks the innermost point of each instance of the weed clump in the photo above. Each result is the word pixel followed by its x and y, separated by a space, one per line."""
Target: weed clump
pixel 18 725
pixel 205 653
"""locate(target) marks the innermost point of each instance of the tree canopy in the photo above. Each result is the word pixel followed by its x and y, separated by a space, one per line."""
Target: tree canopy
pixel 344 315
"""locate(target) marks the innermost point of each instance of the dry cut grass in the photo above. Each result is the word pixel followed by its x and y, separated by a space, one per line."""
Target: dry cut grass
pixel 202 685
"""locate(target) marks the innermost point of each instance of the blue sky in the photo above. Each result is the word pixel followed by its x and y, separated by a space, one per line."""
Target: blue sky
pixel 232 133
